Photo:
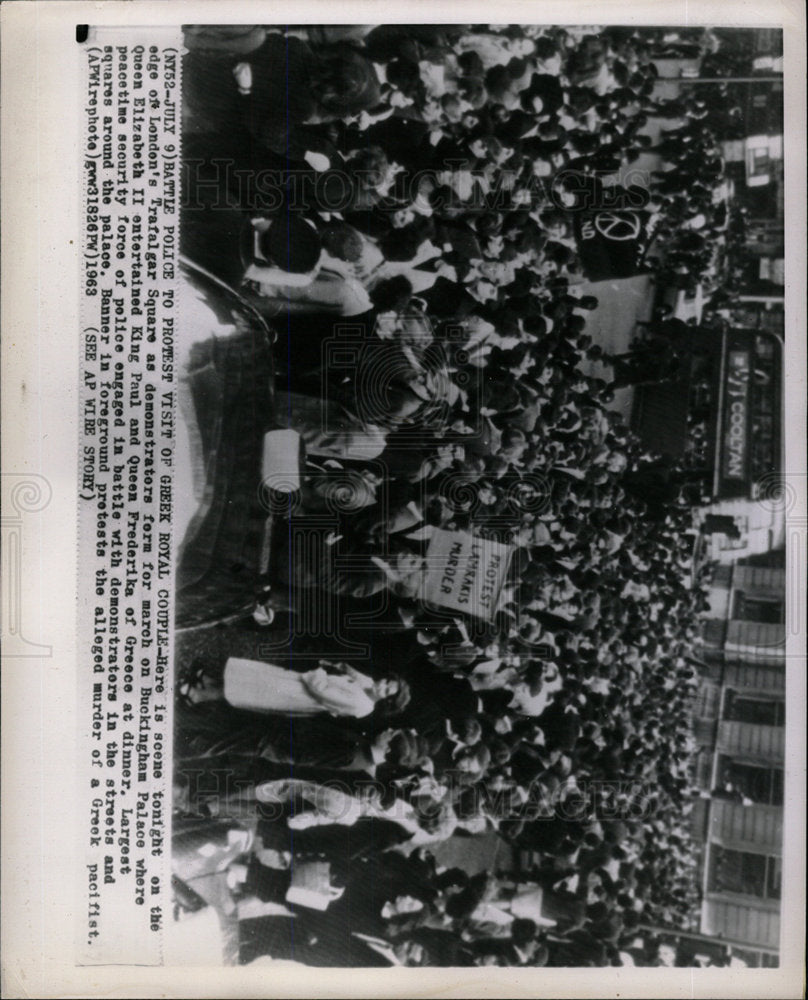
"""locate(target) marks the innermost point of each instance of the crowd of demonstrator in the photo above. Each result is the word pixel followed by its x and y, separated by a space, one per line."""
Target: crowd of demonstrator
pixel 422 181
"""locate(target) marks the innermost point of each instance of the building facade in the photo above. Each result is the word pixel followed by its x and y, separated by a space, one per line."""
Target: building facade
pixel 739 724
pixel 723 419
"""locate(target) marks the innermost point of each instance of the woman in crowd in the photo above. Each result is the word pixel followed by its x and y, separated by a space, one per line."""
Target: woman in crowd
pixel 338 689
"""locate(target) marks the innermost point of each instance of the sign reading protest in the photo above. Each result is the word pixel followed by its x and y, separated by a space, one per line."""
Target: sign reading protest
pixel 465 572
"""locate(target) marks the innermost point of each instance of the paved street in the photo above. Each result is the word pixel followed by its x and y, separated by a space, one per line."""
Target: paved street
pixel 622 302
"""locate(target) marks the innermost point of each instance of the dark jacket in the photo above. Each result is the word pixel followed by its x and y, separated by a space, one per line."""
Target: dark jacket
pixel 503 948
pixel 215 729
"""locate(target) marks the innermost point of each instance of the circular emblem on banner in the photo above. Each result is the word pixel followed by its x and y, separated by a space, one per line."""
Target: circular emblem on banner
pixel 614 226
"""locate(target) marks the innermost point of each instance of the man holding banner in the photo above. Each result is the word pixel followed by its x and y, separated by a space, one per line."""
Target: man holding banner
pixel 465 572
pixel 611 226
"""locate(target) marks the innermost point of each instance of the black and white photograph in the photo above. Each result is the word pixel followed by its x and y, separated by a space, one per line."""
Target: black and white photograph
pixel 479 650
pixel 404 500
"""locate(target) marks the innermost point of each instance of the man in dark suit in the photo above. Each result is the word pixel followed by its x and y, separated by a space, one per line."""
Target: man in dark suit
pixel 367 926
pixel 436 698
pixel 442 948
pixel 215 730
pixel 295 939
pixel 522 948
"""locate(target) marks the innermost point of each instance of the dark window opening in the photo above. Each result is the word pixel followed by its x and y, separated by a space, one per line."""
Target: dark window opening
pixel 763 611
pixel 757 711
pixel 760 784
pixel 745 874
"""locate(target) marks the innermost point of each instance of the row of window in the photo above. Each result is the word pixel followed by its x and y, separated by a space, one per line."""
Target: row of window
pixel 754 708
pixel 756 959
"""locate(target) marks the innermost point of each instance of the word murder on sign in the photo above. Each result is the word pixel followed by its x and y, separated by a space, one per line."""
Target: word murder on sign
pixel 465 572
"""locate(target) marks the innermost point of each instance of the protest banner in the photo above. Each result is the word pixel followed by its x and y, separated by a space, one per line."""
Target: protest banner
pixel 465 572
pixel 610 242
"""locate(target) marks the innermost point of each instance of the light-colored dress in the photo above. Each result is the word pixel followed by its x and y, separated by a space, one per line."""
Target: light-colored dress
pixel 264 687
pixel 328 805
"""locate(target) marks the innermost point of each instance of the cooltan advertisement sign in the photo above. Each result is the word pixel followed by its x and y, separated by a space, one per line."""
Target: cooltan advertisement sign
pixel 465 572
pixel 735 433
